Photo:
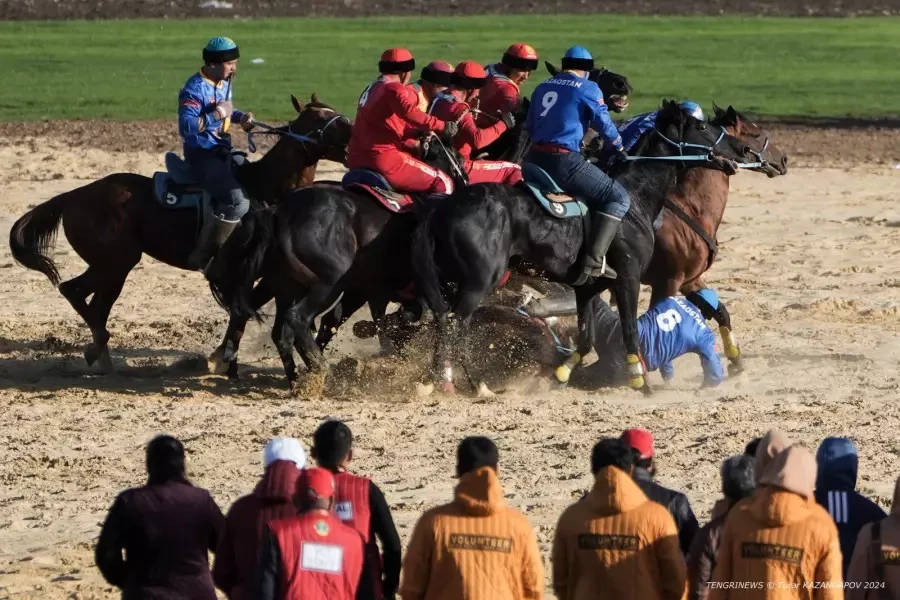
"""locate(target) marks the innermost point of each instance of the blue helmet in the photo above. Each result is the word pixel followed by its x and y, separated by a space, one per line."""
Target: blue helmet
pixel 694 109
pixel 220 49
pixel 578 58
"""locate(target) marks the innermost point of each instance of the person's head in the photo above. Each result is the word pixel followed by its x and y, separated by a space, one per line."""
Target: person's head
pixel 774 442
pixel 474 453
pixel 695 109
pixel 612 452
pixel 220 58
pixel 738 478
pixel 397 63
pixel 520 60
pixel 435 78
pixel 578 60
pixel 165 460
pixel 641 441
pixel 752 445
pixel 332 445
pixel 468 77
pixel 284 448
pixel 838 464
pixel 315 490
pixel 794 470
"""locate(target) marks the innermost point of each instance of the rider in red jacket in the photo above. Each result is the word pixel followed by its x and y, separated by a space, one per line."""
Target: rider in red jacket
pixel 455 105
pixel 501 92
pixel 381 140
pixel 435 78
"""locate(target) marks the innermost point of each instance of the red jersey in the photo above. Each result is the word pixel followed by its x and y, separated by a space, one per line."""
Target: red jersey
pixel 388 113
pixel 499 94
pixel 449 107
pixel 352 507
pixel 321 558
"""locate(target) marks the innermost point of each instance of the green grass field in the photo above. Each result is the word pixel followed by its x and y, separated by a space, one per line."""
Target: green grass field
pixel 134 69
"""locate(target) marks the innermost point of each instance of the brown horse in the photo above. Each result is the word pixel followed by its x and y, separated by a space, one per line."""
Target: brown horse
pixel 686 244
pixel 112 222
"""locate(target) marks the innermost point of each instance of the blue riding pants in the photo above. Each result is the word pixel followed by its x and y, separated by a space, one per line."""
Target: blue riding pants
pixel 573 173
pixel 212 170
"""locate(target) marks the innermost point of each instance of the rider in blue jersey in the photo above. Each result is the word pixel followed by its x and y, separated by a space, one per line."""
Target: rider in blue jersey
pixel 205 113
pixel 669 329
pixel 633 129
pixel 562 109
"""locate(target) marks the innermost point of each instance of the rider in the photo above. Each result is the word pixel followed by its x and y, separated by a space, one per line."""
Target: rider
pixel 455 105
pixel 434 79
pixel 561 111
pixel 205 113
pixel 633 129
pixel 387 116
pixel 501 92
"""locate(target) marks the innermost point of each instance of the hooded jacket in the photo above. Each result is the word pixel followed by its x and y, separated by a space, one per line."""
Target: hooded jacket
pixel 618 541
pixel 474 548
pixel 863 571
pixel 780 536
pixel 701 559
pixel 677 503
pixel 835 491
pixel 237 553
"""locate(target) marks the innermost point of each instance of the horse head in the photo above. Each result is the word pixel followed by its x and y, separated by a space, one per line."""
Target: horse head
pixel 329 130
pixel 615 87
pixel 773 159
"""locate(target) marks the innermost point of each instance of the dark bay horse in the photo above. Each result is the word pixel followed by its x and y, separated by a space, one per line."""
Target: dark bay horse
pixel 471 239
pixel 686 243
pixel 321 244
pixel 112 222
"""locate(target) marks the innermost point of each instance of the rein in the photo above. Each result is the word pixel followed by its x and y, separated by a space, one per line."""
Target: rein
pixel 707 157
pixel 456 168
pixel 286 132
pixel 760 161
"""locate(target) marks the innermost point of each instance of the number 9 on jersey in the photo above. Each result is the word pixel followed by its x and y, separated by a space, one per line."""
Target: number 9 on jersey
pixel 547 101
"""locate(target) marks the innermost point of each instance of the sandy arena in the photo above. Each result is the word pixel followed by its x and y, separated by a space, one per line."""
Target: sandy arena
pixel 810 267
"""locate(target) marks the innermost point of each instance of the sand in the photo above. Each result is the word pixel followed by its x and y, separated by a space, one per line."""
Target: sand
pixel 808 267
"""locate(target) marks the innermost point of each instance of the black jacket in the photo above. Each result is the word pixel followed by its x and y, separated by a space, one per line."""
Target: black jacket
pixel 676 503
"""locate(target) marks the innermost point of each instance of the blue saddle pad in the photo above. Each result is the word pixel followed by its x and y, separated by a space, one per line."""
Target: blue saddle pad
pixel 549 195
pixel 174 195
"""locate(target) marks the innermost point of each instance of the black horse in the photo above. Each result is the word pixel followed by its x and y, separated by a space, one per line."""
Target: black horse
pixel 471 239
pixel 321 245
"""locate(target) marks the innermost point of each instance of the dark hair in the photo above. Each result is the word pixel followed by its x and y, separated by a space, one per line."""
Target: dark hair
pixel 738 477
pixel 642 463
pixel 165 460
pixel 612 452
pixel 475 452
pixel 752 445
pixel 332 442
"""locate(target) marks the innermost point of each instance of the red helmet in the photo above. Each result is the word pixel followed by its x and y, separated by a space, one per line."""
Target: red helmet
pixel 521 57
pixel 438 72
pixel 469 75
pixel 396 61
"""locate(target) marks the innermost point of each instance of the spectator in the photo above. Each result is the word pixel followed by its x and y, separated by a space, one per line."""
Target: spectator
pixel 677 503
pixel 777 537
pixel 876 558
pixel 313 555
pixel 475 547
pixel 838 463
pixel 752 445
pixel 273 498
pixel 360 504
pixel 615 542
pixel 771 444
pixel 738 482
pixel 165 528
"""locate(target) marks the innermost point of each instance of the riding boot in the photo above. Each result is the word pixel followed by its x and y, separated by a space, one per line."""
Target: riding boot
pixel 603 230
pixel 212 236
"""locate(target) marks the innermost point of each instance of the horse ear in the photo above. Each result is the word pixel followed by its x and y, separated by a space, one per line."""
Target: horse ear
pixel 314 98
pixel 732 114
pixel 551 69
pixel 298 106
pixel 717 110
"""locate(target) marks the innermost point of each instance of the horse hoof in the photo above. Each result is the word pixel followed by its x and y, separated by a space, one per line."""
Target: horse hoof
pixel 216 362
pixel 735 369
pixel 646 390
pixel 423 390
pixel 104 363
pixel 91 354
pixel 312 385
pixel 484 392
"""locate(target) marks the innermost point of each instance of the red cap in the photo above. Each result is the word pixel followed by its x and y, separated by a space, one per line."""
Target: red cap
pixel 396 60
pixel 315 483
pixel 469 75
pixel 438 72
pixel 639 439
pixel 521 56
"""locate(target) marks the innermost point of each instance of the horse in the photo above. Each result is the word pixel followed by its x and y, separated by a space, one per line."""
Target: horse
pixel 322 244
pixel 471 239
pixel 686 245
pixel 113 221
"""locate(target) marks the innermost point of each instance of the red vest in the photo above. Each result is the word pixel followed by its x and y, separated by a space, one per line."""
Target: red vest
pixel 321 558
pixel 351 505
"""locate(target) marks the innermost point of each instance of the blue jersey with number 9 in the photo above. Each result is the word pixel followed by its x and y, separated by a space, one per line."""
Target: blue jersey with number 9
pixel 564 107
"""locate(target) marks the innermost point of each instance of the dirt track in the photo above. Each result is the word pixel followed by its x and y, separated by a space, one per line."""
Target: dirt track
pixel 809 267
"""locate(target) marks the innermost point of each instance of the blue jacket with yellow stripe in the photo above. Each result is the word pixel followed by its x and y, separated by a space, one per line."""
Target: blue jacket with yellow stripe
pixel 196 123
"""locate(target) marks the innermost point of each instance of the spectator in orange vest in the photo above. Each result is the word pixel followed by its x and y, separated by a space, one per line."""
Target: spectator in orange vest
pixel 360 504
pixel 312 556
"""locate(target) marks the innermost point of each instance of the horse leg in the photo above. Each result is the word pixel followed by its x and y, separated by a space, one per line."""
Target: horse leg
pixel 106 292
pixel 467 301
pixel 627 291
pixel 283 337
pixel 224 358
pixel 378 306
pixel 720 313
pixel 585 298
pixel 300 318
pixel 351 302
pixel 77 290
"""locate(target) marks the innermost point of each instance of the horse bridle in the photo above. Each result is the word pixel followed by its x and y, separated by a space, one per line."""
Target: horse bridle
pixel 285 131
pixel 708 156
pixel 760 161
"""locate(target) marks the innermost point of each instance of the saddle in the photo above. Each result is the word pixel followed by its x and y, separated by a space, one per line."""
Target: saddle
pixel 175 188
pixel 549 195
pixel 374 185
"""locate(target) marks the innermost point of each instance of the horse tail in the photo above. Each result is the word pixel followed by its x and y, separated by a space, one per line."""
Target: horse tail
pixel 244 254
pixel 425 267
pixel 33 236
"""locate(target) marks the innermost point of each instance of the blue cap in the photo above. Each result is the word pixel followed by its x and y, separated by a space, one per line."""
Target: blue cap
pixel 694 109
pixel 220 49
pixel 577 58
pixel 578 52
